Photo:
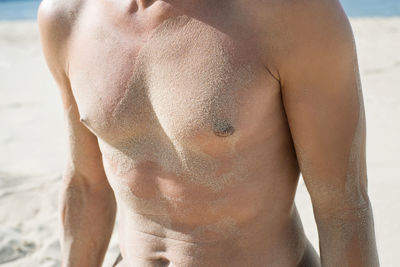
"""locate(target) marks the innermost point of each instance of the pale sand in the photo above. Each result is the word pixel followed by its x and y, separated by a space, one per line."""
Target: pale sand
pixel 32 144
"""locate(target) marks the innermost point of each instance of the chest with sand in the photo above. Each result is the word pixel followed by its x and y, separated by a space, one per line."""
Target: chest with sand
pixel 182 97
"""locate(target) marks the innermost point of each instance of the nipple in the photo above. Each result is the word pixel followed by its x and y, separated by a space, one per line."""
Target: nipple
pixel 163 261
pixel 84 120
pixel 223 128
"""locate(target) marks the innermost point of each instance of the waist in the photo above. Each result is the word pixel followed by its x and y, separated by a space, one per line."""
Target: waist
pixel 172 203
pixel 183 206
pixel 264 241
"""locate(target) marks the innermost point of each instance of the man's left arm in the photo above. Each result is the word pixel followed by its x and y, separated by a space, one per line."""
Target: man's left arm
pixel 323 101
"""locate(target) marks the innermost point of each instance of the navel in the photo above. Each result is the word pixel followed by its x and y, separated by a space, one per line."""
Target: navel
pixel 223 128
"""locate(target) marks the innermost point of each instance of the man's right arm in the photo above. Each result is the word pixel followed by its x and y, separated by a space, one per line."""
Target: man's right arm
pixel 87 202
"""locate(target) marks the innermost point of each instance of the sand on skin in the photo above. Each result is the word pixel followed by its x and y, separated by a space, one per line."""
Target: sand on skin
pixel 32 144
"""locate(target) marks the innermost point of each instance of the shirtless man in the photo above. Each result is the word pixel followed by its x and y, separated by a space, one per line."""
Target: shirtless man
pixel 195 118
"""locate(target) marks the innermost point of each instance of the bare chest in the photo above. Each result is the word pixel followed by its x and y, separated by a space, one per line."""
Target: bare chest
pixel 185 91
pixel 184 78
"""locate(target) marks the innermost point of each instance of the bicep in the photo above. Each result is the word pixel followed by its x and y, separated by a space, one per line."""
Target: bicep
pixel 328 132
pixel 324 106
pixel 84 161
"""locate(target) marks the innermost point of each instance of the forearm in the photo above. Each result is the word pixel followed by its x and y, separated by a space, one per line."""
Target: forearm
pixel 347 238
pixel 87 220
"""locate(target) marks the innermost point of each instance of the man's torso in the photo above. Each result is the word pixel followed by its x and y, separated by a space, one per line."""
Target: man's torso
pixel 193 134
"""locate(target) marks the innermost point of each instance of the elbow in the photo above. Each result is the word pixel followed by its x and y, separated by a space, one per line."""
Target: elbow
pixel 335 203
pixel 344 212
pixel 80 191
pixel 74 179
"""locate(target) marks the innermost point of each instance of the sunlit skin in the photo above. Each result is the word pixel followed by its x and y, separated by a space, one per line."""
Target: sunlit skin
pixel 195 118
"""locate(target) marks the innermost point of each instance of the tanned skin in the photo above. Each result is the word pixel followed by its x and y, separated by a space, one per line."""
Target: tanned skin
pixel 156 94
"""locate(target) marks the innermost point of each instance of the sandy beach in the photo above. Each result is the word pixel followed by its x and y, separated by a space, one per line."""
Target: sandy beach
pixel 32 144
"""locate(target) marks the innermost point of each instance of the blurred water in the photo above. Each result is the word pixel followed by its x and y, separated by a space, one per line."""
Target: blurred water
pixel 26 9
pixel 371 8
pixel 18 9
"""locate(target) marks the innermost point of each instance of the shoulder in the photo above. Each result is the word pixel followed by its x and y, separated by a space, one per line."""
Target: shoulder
pixel 316 21
pixel 56 19
pixel 299 31
pixel 311 16
pixel 58 16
